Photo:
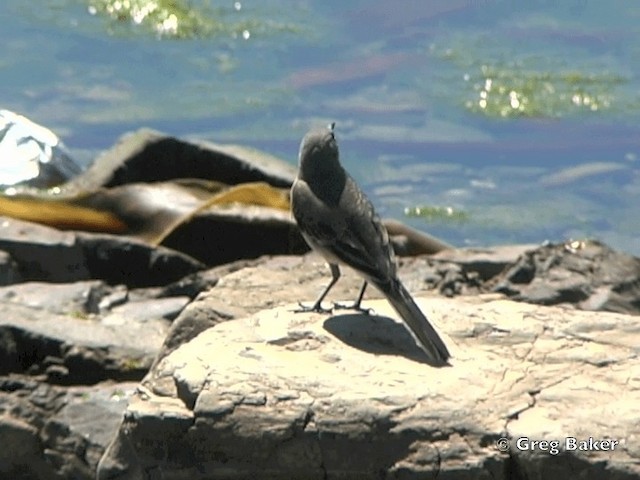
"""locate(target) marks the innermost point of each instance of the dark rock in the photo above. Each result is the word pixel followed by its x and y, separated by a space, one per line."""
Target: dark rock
pixel 50 432
pixel 78 349
pixel 150 156
pixel 192 284
pixel 484 262
pixel 220 236
pixel 77 435
pixel 42 253
pixel 21 453
pixel 589 275
pixel 117 259
pixel 24 406
pixel 46 254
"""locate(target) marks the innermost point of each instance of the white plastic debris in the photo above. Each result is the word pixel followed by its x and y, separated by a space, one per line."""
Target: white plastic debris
pixel 31 154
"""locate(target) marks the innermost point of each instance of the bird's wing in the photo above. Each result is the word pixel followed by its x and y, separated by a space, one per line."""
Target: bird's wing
pixel 350 232
pixel 363 243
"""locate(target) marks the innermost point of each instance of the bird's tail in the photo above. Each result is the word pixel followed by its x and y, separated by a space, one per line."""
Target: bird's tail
pixel 427 336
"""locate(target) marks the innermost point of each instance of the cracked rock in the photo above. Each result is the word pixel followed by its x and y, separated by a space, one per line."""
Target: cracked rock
pixel 357 399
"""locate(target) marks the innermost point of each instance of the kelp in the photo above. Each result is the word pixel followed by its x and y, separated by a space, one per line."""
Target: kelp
pixel 150 211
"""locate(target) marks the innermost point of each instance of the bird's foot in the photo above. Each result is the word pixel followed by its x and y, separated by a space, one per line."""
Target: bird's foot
pixel 316 307
pixel 353 306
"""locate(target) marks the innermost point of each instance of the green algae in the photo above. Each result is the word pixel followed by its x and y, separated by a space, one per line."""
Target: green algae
pixel 509 91
pixel 180 19
pixel 499 79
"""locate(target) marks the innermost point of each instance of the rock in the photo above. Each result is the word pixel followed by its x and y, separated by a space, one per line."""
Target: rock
pixel 42 253
pixel 48 432
pixel 79 298
pixel 145 311
pixel 462 271
pixel 301 389
pixel 224 235
pixel 77 348
pixel 485 262
pixel 77 435
pixel 587 274
pixel 150 156
pixel 46 254
pixel 20 456
pixel 283 395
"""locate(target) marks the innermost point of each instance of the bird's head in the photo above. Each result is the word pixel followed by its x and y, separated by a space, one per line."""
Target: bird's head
pixel 319 151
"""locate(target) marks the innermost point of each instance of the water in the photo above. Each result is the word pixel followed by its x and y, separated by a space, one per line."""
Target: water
pixel 505 121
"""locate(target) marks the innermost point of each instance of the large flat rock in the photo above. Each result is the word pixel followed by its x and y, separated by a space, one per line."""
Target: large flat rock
pixel 278 395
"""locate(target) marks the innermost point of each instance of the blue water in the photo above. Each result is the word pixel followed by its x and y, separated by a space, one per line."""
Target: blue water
pixel 403 80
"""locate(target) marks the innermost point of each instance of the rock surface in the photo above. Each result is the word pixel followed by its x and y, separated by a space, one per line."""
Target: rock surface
pixel 48 432
pixel 349 395
pixel 284 395
pixel 588 274
pixel 37 253
pixel 342 383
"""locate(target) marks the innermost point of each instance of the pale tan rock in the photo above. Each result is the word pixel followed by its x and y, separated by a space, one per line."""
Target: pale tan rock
pixel 278 394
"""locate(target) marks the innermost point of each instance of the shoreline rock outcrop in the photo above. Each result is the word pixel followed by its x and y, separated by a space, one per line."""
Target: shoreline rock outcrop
pixel 139 361
pixel 279 395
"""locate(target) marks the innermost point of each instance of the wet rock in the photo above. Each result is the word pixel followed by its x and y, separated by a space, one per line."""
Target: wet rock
pixel 283 395
pixel 150 156
pixel 123 260
pixel 588 274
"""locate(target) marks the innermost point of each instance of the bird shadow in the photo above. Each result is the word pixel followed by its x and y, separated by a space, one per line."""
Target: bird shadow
pixel 378 335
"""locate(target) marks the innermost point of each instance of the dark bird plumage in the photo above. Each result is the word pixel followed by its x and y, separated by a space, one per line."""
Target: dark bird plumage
pixel 339 222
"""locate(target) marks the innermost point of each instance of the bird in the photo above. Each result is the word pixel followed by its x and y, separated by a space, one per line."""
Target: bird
pixel 339 222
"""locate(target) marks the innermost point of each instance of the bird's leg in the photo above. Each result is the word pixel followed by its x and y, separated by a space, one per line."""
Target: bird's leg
pixel 355 305
pixel 317 305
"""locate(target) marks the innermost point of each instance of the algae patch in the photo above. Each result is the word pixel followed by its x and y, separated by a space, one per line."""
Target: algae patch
pixel 181 19
pixel 501 79
pixel 515 91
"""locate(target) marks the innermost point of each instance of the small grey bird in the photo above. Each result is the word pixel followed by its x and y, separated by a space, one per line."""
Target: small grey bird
pixel 338 221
